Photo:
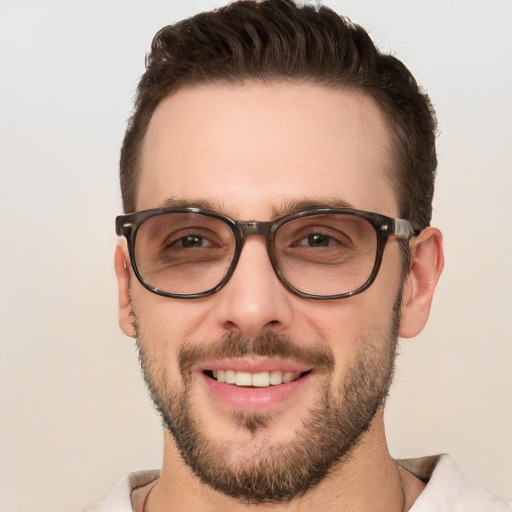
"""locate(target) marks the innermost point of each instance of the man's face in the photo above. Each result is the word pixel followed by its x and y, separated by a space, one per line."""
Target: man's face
pixel 251 152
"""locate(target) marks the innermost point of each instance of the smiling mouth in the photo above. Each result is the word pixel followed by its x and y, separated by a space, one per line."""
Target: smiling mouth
pixel 257 380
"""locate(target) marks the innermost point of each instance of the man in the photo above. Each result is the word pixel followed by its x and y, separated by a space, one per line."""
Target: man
pixel 277 175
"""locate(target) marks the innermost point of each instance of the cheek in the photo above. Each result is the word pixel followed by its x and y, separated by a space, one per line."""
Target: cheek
pixel 166 324
pixel 163 317
pixel 348 326
pixel 158 333
pixel 346 320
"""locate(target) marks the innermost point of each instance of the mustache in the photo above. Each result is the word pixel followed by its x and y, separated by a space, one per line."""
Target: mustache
pixel 271 345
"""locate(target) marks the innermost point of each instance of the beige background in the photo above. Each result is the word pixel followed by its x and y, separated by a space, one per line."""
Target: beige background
pixel 74 416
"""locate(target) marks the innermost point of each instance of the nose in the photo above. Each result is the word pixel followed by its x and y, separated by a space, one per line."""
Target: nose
pixel 254 300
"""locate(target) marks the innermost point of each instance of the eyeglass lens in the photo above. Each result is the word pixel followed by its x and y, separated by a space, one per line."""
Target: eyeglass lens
pixel 190 253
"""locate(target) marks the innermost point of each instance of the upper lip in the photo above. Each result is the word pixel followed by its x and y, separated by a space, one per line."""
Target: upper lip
pixel 254 365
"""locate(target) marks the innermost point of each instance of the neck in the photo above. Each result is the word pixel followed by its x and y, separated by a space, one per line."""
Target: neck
pixel 368 480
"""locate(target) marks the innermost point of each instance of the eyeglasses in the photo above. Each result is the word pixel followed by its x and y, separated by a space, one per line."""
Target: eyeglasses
pixel 324 253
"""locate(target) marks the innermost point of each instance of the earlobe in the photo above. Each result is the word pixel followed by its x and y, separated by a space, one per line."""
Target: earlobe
pixel 123 286
pixel 427 261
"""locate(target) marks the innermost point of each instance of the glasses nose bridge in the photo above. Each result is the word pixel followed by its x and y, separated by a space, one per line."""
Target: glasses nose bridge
pixel 254 227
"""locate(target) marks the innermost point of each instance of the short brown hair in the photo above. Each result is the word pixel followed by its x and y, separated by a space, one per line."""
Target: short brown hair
pixel 277 40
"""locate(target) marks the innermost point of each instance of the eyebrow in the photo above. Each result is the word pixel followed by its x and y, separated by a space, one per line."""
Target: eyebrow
pixel 285 208
pixel 206 204
pixel 296 206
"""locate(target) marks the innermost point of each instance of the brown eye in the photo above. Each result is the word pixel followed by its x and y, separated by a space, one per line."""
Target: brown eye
pixel 318 240
pixel 192 241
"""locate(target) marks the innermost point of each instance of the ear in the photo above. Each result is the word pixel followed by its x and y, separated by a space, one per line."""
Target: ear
pixel 427 261
pixel 123 285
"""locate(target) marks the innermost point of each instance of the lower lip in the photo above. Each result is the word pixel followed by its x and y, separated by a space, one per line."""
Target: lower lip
pixel 252 398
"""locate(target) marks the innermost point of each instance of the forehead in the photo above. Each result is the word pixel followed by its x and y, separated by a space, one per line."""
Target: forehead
pixel 251 148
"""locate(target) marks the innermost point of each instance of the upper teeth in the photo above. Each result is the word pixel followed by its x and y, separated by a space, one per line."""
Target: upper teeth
pixel 260 380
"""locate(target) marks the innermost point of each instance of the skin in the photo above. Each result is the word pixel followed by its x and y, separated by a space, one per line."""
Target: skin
pixel 250 150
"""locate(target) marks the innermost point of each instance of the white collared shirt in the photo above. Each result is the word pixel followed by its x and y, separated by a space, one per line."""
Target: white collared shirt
pixel 446 490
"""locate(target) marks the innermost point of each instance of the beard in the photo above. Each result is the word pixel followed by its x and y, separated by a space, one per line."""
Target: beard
pixel 331 429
